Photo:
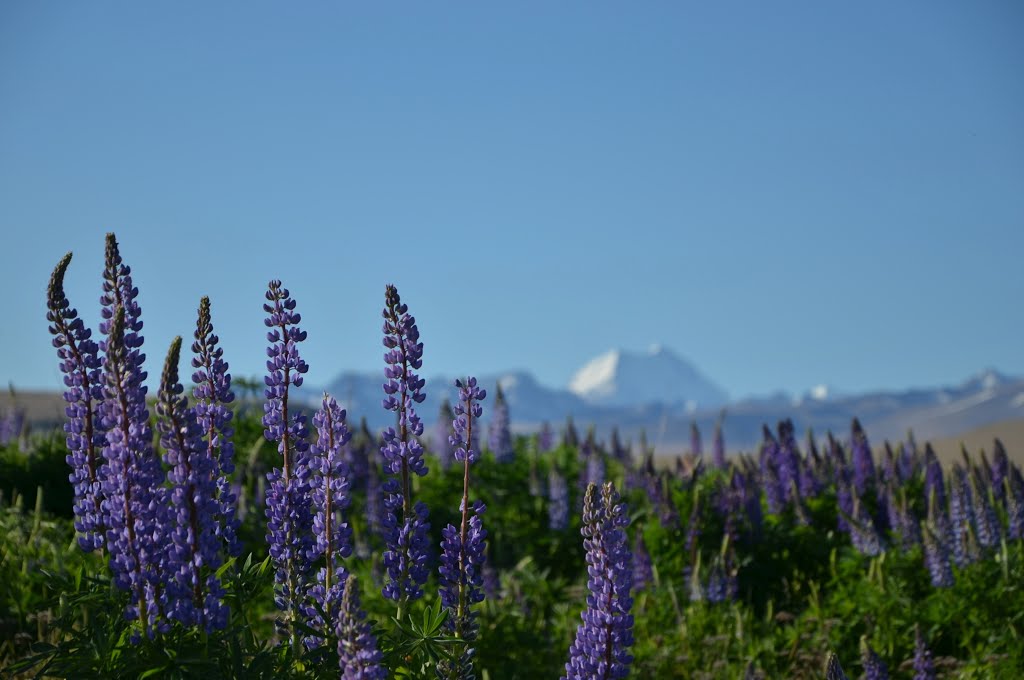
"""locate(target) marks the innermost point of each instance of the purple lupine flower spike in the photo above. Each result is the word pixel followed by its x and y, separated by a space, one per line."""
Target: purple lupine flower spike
pixel 80 364
pixel 443 448
pixel 696 447
pixel 989 529
pixel 1014 484
pixel 499 434
pixel 212 394
pixel 718 447
pixel 545 438
pixel 999 469
pixel 132 485
pixel 643 571
pixel 774 492
pixel 195 596
pixel 405 524
pixel 289 518
pixel 863 463
pixel 462 550
pixel 558 501
pixel 358 656
pixel 833 670
pixel 936 558
pixel 329 486
pixel 924 668
pixel 603 638
pixel 874 667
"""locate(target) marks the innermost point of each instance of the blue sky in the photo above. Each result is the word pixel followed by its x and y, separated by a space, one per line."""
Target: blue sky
pixel 786 193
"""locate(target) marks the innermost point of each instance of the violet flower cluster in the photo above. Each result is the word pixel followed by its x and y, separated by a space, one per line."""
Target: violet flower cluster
pixel 443 449
pixel 558 501
pixel 603 639
pixel 462 548
pixel 135 499
pixel 195 595
pixel 358 655
pixel 289 517
pixel 329 486
pixel 499 436
pixel 874 667
pixel 80 363
pixel 405 525
pixel 165 542
pixel 211 395
pixel 924 668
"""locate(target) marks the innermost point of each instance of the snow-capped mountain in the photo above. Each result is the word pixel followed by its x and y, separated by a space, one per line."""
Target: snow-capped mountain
pixel 658 376
pixel 662 394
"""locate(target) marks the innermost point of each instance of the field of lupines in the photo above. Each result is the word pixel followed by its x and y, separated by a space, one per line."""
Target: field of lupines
pixel 214 538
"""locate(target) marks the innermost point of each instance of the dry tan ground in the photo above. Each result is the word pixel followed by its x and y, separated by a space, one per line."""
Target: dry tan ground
pixel 1010 432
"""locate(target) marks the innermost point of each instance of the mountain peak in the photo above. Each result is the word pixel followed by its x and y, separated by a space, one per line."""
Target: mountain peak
pixel 620 377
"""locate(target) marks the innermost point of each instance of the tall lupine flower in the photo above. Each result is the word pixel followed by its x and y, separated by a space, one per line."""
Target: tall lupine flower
pixel 600 650
pixel 643 570
pixel 863 534
pixel 545 438
pixel 406 537
pixel 443 432
pixel 833 670
pixel 889 471
pixel 499 437
pixel 863 463
pixel 80 364
pixel 1014 484
pixel 788 460
pixel 374 501
pixel 936 558
pixel 718 447
pixel 462 550
pixel 999 469
pixel 135 500
pixel 194 594
pixel 12 422
pixel 933 477
pixel 874 667
pixel 358 656
pixel 212 393
pixel 844 498
pixel 715 590
pixel 903 522
pixel 924 669
pixel 357 454
pixel 907 458
pixel 696 447
pixel 961 517
pixel 289 518
pixel 558 501
pixel 989 530
pixel 328 485
pixel 774 492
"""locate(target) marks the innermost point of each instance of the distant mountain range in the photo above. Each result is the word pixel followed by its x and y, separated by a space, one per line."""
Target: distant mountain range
pixel 662 393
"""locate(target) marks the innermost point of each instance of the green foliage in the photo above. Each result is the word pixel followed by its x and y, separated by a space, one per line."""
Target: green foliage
pixel 803 590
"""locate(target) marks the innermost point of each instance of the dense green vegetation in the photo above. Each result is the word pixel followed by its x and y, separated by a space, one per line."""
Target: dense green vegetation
pixel 802 588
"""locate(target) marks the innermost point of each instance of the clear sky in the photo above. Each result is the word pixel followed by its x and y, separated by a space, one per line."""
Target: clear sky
pixel 786 193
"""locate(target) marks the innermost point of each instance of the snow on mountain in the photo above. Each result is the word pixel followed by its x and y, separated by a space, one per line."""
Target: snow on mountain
pixel 623 378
